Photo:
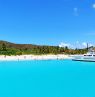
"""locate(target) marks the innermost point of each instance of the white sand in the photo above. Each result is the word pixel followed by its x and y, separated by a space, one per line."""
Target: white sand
pixel 33 57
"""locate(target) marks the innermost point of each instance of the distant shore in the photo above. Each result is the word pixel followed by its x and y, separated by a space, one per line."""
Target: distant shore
pixel 34 57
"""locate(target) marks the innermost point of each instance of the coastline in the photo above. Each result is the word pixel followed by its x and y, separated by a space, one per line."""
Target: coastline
pixel 34 57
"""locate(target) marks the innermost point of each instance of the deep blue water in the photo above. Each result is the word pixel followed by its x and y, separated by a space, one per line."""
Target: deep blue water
pixel 52 78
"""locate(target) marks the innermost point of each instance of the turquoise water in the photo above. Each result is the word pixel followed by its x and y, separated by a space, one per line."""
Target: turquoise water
pixel 52 78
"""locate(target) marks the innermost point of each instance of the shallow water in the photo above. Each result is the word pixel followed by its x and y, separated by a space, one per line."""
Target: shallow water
pixel 51 78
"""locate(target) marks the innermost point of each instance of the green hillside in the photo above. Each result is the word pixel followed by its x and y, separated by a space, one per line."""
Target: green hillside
pixel 8 48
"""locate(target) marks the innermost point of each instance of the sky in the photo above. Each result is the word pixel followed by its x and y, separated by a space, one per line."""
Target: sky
pixel 48 22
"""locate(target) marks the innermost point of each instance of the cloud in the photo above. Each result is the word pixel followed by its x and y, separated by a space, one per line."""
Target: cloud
pixel 77 44
pixel 75 11
pixel 90 44
pixel 64 44
pixel 84 44
pixel 93 5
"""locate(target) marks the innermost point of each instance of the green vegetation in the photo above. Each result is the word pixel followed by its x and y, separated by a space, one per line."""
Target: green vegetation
pixel 7 48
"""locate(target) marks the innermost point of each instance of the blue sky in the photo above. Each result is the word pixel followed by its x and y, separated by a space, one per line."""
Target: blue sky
pixel 47 22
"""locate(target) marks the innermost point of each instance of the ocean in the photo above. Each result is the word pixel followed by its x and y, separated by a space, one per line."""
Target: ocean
pixel 47 78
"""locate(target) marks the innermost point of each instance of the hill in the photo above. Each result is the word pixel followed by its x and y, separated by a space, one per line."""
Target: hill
pixel 8 48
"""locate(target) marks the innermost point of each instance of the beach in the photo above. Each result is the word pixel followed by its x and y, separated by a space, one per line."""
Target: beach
pixel 34 57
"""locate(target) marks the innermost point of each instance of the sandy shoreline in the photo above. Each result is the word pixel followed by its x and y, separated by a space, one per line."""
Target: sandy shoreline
pixel 33 57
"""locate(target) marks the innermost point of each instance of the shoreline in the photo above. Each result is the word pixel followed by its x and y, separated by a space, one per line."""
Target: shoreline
pixel 34 57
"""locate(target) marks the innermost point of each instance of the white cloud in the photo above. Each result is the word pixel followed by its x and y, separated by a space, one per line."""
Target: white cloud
pixel 77 44
pixel 84 44
pixel 93 5
pixel 90 45
pixel 64 44
pixel 76 11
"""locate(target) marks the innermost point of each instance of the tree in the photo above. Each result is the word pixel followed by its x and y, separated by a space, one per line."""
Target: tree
pixel 4 47
pixel 66 48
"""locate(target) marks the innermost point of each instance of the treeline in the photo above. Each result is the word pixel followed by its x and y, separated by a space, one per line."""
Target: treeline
pixel 7 48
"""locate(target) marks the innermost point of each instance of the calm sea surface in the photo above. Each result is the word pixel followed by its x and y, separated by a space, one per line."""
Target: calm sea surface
pixel 52 78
